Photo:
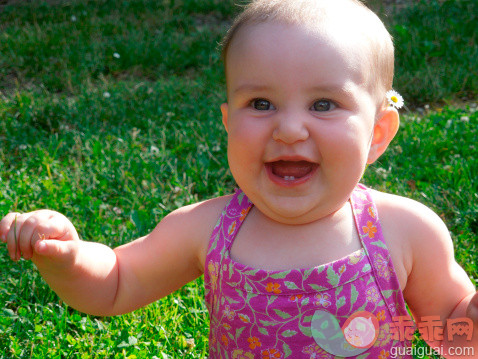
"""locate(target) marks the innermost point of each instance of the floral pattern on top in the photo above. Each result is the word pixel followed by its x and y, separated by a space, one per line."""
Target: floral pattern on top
pixel 256 313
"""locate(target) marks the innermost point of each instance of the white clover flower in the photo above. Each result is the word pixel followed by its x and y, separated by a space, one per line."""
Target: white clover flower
pixel 73 18
pixel 116 55
pixel 394 99
pixel 106 94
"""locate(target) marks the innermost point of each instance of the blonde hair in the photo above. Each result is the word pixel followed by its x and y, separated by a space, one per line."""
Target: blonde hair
pixel 326 15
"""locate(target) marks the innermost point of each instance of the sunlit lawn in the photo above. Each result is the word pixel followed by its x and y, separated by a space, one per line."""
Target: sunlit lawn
pixel 109 113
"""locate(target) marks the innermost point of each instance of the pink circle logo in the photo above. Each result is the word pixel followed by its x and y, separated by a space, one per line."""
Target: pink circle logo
pixel 361 329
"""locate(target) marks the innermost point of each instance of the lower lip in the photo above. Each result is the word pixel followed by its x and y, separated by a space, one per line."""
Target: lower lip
pixel 289 183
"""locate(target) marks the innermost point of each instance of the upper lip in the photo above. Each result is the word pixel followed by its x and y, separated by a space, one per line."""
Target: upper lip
pixel 290 158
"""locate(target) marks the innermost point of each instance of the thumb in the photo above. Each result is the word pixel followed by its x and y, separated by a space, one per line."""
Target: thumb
pixel 54 249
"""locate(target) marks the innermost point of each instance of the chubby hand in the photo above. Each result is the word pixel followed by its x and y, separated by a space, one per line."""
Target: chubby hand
pixel 39 234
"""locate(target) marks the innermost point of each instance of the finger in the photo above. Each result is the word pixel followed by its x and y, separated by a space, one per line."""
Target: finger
pixel 12 235
pixel 5 225
pixel 30 231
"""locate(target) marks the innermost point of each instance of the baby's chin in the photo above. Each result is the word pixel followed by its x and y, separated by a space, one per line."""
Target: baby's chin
pixel 291 210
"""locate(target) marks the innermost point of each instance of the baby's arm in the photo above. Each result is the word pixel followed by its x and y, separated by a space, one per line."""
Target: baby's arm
pixel 95 279
pixel 436 285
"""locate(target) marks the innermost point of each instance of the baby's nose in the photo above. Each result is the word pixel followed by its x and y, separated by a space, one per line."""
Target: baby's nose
pixel 290 129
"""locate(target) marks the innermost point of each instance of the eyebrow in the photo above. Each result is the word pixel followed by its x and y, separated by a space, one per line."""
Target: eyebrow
pixel 345 90
pixel 333 88
pixel 251 88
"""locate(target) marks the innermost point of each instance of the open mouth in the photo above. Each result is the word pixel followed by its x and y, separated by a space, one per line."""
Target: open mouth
pixel 290 172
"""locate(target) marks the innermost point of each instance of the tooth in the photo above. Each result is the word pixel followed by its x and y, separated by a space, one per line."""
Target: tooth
pixel 289 178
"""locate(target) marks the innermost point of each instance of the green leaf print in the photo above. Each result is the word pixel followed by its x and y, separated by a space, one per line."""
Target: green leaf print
pixel 340 302
pixel 280 275
pixel 250 296
pixel 363 356
pixel 231 270
pixel 213 245
pixel 263 330
pixel 307 273
pixel 286 350
pixel 244 317
pixel 240 198
pixel 267 324
pixel 387 293
pixel 332 277
pixel 353 296
pixel 288 333
pixel 291 285
pixel 271 299
pixel 317 288
pixel 366 268
pixel 305 330
pixel 239 332
pixel 232 227
pixel 362 307
pixel 282 314
pixel 305 301
pixel 231 301
pixel 247 287
pixel 379 244
pixel 251 272
pixel 239 292
pixel 307 319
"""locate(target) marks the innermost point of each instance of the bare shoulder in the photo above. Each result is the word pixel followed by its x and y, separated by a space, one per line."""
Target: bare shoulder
pixel 424 246
pixel 409 218
pixel 411 230
pixel 197 222
pixel 405 211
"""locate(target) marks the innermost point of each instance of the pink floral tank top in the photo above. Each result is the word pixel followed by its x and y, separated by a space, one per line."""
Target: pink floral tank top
pixel 303 313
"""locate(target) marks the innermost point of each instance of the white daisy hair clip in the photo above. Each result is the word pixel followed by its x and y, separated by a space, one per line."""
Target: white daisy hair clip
pixel 394 99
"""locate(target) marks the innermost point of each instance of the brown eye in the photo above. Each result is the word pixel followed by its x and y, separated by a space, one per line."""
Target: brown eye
pixel 323 105
pixel 262 105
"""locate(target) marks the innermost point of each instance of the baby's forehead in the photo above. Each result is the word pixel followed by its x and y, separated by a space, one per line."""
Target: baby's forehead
pixel 343 21
pixel 307 42
pixel 333 34
pixel 348 29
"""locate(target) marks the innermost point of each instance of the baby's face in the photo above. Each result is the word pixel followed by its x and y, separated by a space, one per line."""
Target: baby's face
pixel 299 119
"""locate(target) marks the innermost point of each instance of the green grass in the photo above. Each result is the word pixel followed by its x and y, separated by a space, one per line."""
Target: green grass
pixel 117 143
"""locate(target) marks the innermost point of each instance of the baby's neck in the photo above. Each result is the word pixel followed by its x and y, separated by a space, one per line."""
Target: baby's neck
pixel 264 243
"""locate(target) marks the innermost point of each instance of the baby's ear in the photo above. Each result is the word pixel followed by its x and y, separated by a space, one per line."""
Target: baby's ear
pixel 384 131
pixel 224 114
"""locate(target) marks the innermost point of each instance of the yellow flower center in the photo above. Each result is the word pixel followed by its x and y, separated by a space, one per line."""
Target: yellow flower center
pixel 394 99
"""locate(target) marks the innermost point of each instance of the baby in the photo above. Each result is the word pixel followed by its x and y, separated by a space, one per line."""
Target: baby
pixel 298 249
